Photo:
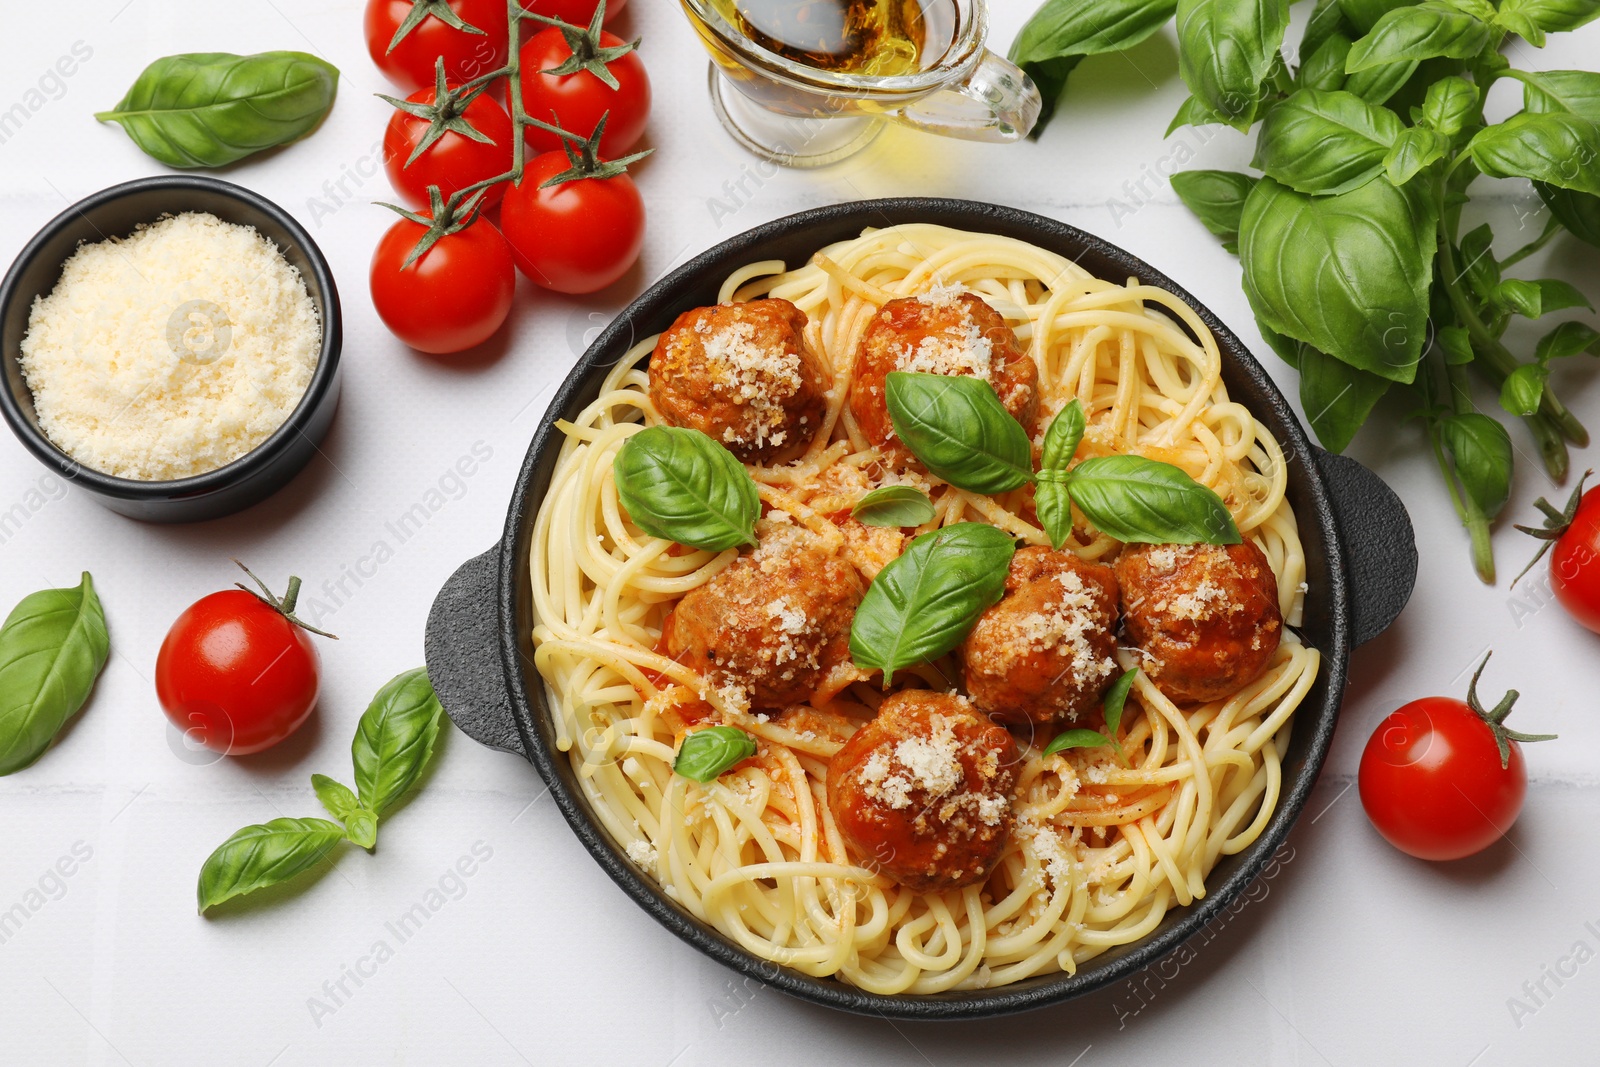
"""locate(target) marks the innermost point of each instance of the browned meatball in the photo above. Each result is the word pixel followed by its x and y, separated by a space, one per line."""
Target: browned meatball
pixel 923 791
pixel 939 332
pixel 775 623
pixel 1206 616
pixel 1044 653
pixel 743 374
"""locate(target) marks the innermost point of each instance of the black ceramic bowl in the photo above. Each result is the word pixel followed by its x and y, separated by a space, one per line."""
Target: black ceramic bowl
pixel 116 212
pixel 1360 555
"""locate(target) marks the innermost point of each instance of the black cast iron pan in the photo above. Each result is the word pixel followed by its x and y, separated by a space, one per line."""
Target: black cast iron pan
pixel 1361 561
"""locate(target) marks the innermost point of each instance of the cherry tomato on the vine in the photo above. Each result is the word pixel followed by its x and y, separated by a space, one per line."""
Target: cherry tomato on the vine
pixel 454 160
pixel 1572 537
pixel 410 64
pixel 454 296
pixel 576 237
pixel 238 674
pixel 1442 778
pixel 577 101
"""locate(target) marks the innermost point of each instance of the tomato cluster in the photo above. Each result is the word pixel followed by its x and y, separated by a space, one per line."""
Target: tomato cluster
pixel 572 222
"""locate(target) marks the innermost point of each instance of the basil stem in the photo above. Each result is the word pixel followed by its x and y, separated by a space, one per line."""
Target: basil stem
pixel 52 648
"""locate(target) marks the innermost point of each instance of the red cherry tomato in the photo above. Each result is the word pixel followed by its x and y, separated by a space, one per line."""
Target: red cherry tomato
pixel 452 298
pixel 1434 780
pixel 577 12
pixel 466 55
pixel 236 675
pixel 576 102
pixel 452 162
pixel 575 237
pixel 1575 563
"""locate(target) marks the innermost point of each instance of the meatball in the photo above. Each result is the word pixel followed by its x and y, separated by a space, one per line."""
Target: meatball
pixel 923 791
pixel 1205 616
pixel 1045 652
pixel 743 374
pixel 940 332
pixel 774 624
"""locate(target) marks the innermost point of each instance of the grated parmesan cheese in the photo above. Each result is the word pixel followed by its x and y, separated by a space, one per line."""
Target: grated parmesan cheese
pixel 758 377
pixel 173 351
pixel 642 852
pixel 966 352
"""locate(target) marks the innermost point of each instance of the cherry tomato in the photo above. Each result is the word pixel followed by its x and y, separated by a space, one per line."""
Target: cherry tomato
pixel 575 237
pixel 577 12
pixel 1575 562
pixel 452 162
pixel 466 55
pixel 576 102
pixel 236 674
pixel 1435 781
pixel 452 298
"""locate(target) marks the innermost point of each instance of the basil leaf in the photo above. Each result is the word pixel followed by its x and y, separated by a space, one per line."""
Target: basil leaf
pixel 1325 143
pixel 1193 113
pixel 1409 33
pixel 1413 150
pixel 1478 265
pixel 1077 739
pixel 923 603
pixel 1141 500
pixel 1533 18
pixel 1532 299
pixel 1568 339
pixel 209 109
pixel 1348 274
pixel 361 827
pixel 1521 391
pixel 395 738
pixel 1364 14
pixel 1051 501
pixel 1456 344
pixel 1451 102
pixel 1337 397
pixel 1324 69
pixel 1061 32
pixel 1578 212
pixel 1217 199
pixel 957 426
pixel 1050 75
pixel 1377 84
pixel 1555 147
pixel 263 855
pixel 1576 92
pixel 705 754
pixel 1227 50
pixel 680 485
pixel 1327 19
pixel 894 505
pixel 336 797
pixel 1117 698
pixel 52 648
pixel 1481 450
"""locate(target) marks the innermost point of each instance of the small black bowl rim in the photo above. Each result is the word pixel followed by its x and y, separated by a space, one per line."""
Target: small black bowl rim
pixel 259 458
pixel 528 702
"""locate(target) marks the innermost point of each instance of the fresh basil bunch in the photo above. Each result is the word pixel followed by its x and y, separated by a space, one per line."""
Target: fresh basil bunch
pixel 209 109
pixel 1350 241
pixel 393 745
pixel 52 648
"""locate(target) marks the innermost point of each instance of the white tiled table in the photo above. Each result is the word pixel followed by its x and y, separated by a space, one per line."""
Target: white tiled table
pixel 1351 954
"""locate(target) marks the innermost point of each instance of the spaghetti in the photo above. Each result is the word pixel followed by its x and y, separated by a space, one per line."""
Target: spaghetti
pixel 1101 848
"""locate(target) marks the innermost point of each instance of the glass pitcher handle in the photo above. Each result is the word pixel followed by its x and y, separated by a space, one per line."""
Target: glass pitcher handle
pixel 998 102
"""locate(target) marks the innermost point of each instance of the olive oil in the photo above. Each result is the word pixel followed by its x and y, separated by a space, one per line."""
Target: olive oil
pixel 879 38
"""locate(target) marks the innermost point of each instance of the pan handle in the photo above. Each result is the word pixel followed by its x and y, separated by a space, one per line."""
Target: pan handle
pixel 1379 544
pixel 463 654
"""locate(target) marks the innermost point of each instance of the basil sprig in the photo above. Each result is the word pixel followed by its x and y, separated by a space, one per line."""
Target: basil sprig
pixel 393 744
pixel 209 109
pixel 705 754
pixel 1115 699
pixel 52 648
pixel 894 505
pixel 957 426
pixel 1131 498
pixel 922 604
pixel 679 484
